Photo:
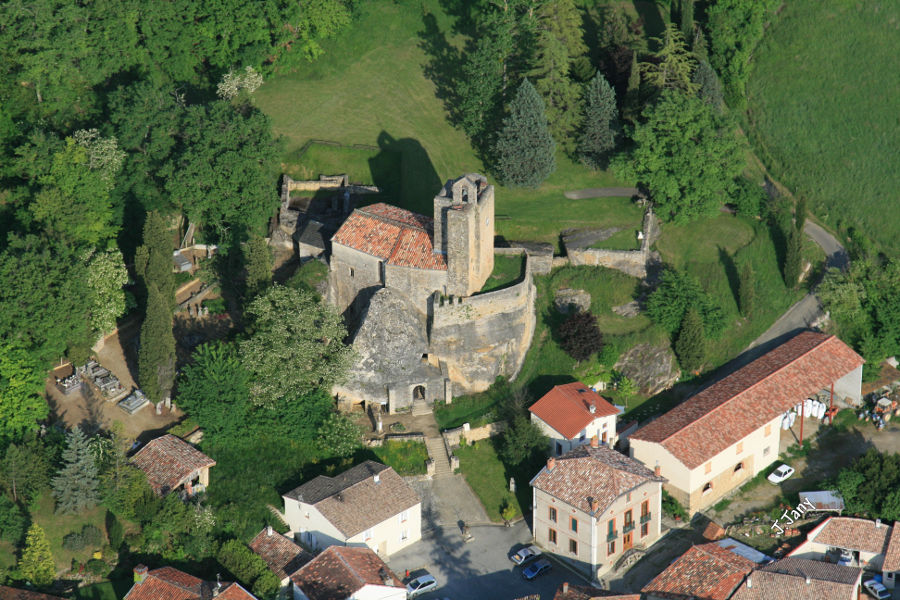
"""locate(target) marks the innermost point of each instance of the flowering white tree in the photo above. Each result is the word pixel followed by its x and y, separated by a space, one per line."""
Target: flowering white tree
pixel 233 83
pixel 106 277
pixel 103 154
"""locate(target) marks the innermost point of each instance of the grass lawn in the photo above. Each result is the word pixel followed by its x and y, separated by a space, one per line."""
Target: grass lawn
pixel 308 275
pixel 507 271
pixel 363 165
pixel 108 590
pixel 57 526
pixel 371 88
pixel 489 478
pixel 407 458
pixel 475 409
pixel 621 240
pixel 823 102
pixel 7 556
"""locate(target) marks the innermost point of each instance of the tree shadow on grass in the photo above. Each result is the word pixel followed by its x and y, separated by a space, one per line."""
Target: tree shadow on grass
pixel 731 272
pixel 444 66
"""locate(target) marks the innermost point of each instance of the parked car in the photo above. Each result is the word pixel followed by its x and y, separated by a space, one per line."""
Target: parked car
pixel 525 554
pixel 420 585
pixel 536 569
pixel 780 474
pixel 877 590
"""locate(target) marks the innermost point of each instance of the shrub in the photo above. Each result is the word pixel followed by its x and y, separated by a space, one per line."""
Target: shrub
pixel 241 561
pixel 216 306
pixel 749 198
pixel 672 507
pixel 114 531
pixel 97 567
pixel 579 336
pixel 676 293
pixel 266 585
pixel 89 536
pixel 12 522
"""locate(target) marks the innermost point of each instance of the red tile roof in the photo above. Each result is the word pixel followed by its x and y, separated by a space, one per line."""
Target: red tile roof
pixel 168 583
pixel 9 593
pixel 566 408
pixel 587 473
pixel 705 572
pixel 341 571
pixel 853 534
pixel 584 592
pixel 281 555
pixel 727 411
pixel 800 579
pixel 169 461
pixel 892 555
pixel 397 236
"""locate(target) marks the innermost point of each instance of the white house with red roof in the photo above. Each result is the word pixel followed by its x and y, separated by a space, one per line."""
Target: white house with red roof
pixel 571 414
pixel 168 583
pixel 724 435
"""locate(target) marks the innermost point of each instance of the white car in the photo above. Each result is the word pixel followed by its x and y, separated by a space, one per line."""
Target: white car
pixel 780 474
pixel 877 590
pixel 525 554
pixel 420 585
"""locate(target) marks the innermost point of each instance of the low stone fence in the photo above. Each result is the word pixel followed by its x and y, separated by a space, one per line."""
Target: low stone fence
pixel 471 434
pixel 324 182
pixel 395 437
pixel 631 262
pixel 540 255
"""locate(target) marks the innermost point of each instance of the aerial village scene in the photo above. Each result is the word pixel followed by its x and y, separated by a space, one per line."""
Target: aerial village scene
pixel 449 300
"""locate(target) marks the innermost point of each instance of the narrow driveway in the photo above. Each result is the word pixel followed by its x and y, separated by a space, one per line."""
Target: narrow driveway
pixel 808 310
pixel 604 192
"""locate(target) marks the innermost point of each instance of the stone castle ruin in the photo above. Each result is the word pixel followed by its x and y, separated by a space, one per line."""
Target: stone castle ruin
pixel 408 285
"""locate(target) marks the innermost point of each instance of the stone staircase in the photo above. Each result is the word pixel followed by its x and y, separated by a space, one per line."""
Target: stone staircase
pixel 438 452
pixel 420 407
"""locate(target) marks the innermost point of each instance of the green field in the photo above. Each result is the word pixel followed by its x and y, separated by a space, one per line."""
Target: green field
pixel 57 526
pixel 488 477
pixel 406 457
pixel 824 97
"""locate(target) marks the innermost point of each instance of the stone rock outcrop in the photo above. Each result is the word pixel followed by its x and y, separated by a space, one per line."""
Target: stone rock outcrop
pixel 567 300
pixel 652 368
pixel 390 343
pixel 628 310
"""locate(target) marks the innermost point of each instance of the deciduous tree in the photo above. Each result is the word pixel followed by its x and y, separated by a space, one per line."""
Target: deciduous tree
pixel 22 402
pixel 579 336
pixel 75 485
pixel 24 471
pixel 523 442
pixel 525 150
pixel 675 294
pixel 215 390
pixel 339 435
pixel 259 266
pixel 295 346
pixel 686 155
pixel 12 521
pixel 106 278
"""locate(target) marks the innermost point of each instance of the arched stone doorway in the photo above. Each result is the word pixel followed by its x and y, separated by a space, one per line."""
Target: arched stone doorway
pixel 418 393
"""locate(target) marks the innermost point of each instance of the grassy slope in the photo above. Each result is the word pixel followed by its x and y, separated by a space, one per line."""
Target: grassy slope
pixel 824 98
pixel 57 526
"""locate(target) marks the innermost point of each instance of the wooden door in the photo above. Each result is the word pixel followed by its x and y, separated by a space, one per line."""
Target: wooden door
pixel 627 541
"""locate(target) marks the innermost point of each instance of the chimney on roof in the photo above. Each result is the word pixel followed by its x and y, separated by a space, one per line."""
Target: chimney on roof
pixel 595 442
pixel 551 462
pixel 565 589
pixel 268 530
pixel 377 478
pixel 140 574
pixel 877 523
pixel 592 408
pixel 749 582
pixel 808 580
pixel 657 470
pixel 595 505
pixel 218 585
pixel 385 576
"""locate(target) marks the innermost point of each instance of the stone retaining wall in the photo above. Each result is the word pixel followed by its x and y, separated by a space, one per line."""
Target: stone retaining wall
pixel 396 437
pixel 631 262
pixel 472 434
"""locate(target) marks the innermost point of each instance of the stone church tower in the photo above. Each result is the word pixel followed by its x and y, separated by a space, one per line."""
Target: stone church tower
pixel 464 232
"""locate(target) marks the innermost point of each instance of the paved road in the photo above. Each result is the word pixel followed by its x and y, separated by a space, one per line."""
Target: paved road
pixel 836 254
pixel 604 192
pixel 479 568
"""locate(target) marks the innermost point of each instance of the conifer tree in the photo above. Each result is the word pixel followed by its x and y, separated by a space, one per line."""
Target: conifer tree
pixel 75 484
pixel 746 290
pixel 709 86
pixel 793 257
pixel 156 357
pixel 690 346
pixel 36 564
pixel 153 259
pixel 600 122
pixel 259 266
pixel 674 64
pixel 559 46
pixel 800 214
pixel 687 19
pixel 525 151
pixel 631 106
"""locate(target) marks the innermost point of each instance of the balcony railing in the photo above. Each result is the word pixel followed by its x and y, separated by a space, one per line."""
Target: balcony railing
pixel 645 518
pixel 612 536
pixel 628 527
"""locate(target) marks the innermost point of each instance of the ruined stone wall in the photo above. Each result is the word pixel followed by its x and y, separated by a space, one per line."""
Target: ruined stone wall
pixel 632 262
pixel 482 337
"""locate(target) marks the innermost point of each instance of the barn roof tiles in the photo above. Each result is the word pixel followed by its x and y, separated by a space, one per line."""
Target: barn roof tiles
pixel 341 571
pixel 168 461
pixel 728 410
pixel 705 572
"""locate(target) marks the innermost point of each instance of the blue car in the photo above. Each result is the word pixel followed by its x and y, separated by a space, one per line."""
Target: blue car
pixel 536 569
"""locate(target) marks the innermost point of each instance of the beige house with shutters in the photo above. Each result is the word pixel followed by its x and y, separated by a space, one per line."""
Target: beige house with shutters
pixel 367 505
pixel 593 506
